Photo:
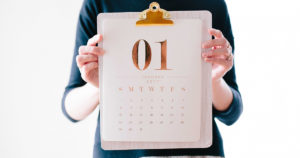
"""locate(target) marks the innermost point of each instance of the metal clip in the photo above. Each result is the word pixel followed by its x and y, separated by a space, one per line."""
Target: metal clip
pixel 154 16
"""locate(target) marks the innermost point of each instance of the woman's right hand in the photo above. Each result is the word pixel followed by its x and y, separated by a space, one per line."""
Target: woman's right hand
pixel 87 60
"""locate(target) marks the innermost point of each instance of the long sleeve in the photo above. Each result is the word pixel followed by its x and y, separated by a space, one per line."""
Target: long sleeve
pixel 86 28
pixel 230 115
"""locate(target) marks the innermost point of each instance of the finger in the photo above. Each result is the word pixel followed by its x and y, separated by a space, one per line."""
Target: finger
pixel 214 43
pixel 94 40
pixel 216 52
pixel 225 63
pixel 216 33
pixel 87 68
pixel 90 50
pixel 83 59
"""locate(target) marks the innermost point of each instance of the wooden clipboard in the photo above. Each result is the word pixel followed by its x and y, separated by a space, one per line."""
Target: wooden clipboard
pixel 156 19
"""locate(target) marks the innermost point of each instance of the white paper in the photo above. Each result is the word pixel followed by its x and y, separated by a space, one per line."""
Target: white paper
pixel 144 116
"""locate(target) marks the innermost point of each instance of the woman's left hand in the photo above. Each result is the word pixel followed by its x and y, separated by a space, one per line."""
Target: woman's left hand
pixel 219 53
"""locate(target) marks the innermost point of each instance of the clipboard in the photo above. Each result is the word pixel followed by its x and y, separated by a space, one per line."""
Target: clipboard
pixel 146 129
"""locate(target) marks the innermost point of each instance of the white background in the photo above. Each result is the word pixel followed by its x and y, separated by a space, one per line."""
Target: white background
pixel 36 47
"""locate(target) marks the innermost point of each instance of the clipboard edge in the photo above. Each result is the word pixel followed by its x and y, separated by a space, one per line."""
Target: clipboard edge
pixel 175 15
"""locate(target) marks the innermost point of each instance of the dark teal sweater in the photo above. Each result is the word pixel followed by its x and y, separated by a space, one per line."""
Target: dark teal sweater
pixel 86 28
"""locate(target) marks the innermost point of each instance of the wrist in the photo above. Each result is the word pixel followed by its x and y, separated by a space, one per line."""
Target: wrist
pixel 217 82
pixel 92 87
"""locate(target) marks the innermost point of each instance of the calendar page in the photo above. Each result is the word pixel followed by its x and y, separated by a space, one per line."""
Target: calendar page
pixel 151 81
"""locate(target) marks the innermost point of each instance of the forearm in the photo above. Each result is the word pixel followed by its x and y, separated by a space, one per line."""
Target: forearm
pixel 221 95
pixel 82 101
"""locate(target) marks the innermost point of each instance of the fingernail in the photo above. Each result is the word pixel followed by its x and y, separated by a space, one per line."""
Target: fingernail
pixel 99 36
pixel 207 53
pixel 209 30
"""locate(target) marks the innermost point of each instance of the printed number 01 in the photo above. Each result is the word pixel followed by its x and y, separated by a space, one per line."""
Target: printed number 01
pixel 135 54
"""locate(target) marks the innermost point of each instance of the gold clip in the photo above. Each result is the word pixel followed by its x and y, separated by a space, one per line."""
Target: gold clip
pixel 154 16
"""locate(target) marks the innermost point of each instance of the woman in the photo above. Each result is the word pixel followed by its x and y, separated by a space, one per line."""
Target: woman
pixel 81 95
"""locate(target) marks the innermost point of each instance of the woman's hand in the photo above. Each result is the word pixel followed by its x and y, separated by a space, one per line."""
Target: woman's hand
pixel 219 54
pixel 87 60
